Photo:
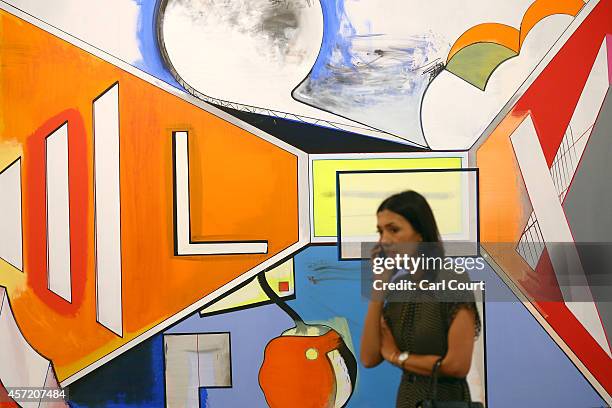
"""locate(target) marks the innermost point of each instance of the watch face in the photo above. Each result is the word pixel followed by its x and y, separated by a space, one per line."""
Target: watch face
pixel 403 356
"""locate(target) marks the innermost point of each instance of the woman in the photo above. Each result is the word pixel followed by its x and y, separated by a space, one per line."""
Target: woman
pixel 414 334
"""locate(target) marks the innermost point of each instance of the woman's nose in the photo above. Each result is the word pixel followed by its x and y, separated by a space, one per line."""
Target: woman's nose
pixel 384 240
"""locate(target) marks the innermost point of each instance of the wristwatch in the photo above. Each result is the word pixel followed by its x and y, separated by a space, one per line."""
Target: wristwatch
pixel 403 356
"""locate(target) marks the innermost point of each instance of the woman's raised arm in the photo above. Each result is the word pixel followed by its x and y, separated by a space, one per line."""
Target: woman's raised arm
pixel 370 339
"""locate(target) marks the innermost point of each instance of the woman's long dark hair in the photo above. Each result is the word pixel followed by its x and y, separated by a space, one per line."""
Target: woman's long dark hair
pixel 416 210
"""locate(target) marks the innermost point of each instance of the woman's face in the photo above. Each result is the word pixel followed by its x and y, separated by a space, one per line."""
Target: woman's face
pixel 394 229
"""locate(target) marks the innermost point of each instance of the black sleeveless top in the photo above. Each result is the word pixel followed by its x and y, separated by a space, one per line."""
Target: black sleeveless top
pixel 421 326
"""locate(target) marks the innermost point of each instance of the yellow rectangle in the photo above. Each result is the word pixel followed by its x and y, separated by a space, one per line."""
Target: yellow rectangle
pixel 324 182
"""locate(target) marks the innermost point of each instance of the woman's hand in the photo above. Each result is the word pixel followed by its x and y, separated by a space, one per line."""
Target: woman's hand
pixel 388 347
pixel 370 351
pixel 385 277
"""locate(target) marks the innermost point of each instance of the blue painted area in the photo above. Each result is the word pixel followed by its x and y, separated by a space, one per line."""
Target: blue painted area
pixel 151 62
pixel 135 379
pixel 157 369
pixel 525 368
pixel 337 30
pixel 204 403
pixel 337 53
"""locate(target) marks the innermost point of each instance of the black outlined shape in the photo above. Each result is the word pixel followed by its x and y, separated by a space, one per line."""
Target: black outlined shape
pixel 183 245
pixel 466 170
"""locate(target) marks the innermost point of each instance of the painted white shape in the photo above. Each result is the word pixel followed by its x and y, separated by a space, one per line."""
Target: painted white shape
pixel 181 356
pixel 581 124
pixel 578 132
pixel 194 361
pixel 238 62
pixel 476 376
pixel 11 242
pixel 183 232
pixel 107 210
pixel 214 362
pixel 344 386
pixel 58 213
pixel 111 25
pixel 223 50
pixel 593 93
pixel 555 229
pixel 455 113
pixel 21 366
pixel 52 384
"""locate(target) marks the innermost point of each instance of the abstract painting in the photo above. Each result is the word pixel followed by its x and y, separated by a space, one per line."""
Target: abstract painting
pixel 185 184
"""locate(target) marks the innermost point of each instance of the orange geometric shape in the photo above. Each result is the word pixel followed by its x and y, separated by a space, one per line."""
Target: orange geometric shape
pixel 486 60
pixel 495 33
pixel 237 179
pixel 541 9
pixel 296 371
